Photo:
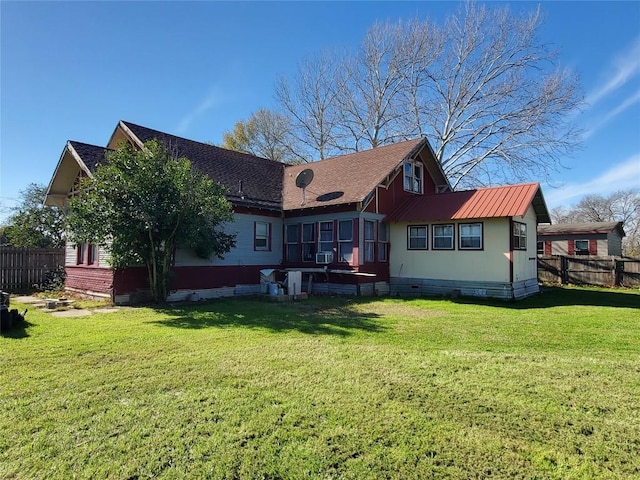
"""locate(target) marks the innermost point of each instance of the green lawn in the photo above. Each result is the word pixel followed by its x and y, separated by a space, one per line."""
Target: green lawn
pixel 328 388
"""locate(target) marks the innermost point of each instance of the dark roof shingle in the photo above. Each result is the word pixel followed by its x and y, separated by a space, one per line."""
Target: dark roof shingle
pixel 580 228
pixel 91 155
pixel 259 178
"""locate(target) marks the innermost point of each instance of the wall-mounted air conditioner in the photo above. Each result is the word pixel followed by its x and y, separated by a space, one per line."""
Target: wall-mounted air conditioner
pixel 324 258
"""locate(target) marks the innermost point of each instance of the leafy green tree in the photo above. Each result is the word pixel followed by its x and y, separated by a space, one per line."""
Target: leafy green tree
pixel 143 204
pixel 33 224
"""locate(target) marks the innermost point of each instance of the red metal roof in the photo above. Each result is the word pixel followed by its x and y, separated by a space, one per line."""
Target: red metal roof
pixel 507 201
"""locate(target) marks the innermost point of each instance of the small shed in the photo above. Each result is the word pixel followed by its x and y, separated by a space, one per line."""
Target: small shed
pixel 572 239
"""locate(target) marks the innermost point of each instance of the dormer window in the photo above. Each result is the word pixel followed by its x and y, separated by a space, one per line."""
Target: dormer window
pixel 413 176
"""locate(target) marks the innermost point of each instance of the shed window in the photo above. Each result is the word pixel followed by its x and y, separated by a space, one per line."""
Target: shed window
pixel 417 237
pixel 540 248
pixel 582 247
pixel 470 235
pixel 519 236
pixel 345 240
pixel 442 237
pixel 413 176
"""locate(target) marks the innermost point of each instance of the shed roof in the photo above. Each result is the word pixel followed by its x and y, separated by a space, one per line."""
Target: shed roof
pixel 346 178
pixel 491 202
pixel 585 228
pixel 251 181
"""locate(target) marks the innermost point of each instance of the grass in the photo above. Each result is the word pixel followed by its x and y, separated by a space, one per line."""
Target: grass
pixel 328 388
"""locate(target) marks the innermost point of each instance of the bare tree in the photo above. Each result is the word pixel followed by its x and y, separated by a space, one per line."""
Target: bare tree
pixel 311 104
pixel 490 97
pixel 497 101
pixel 391 64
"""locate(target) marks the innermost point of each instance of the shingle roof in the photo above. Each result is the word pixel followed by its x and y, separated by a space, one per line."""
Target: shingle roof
pixel 347 178
pixel 493 202
pixel 261 179
pixel 91 155
pixel 580 228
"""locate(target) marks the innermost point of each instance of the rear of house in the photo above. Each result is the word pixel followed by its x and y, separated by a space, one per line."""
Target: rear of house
pixel 374 222
pixel 474 243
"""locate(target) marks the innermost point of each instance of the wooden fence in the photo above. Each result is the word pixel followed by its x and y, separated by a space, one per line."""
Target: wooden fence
pixel 21 269
pixel 602 271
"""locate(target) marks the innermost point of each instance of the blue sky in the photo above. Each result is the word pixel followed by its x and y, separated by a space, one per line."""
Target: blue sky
pixel 71 70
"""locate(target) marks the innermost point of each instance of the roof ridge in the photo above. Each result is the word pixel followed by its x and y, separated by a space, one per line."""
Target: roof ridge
pixel 359 152
pixel 210 145
pixel 88 144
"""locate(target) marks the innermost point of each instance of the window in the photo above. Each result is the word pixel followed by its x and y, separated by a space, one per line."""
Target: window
pixel 413 176
pixel 262 236
pixel 81 250
pixel 442 237
pixel 92 254
pixel 470 235
pixel 582 247
pixel 540 248
pixel 86 254
pixel 345 240
pixel 519 236
pixel 369 241
pixel 308 242
pixel 326 236
pixel 383 241
pixel 292 247
pixel 417 236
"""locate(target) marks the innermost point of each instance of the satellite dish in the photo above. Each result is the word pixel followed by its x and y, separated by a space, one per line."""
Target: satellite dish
pixel 303 179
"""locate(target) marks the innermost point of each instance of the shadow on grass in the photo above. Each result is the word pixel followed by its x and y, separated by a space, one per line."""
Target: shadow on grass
pixel 18 331
pixel 325 317
pixel 559 297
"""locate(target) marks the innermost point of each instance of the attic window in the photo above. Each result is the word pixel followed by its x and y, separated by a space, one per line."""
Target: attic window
pixel 413 176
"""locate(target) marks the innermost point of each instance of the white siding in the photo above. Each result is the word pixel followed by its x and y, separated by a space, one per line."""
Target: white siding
pixel 559 247
pixel 70 254
pixel 243 253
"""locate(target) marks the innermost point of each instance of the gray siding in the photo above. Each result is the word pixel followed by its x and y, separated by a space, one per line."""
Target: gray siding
pixel 243 253
pixel 417 287
pixel 614 244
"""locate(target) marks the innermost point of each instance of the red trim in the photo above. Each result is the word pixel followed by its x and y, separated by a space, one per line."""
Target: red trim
pixel 356 242
pixel 593 247
pixel 571 247
pixel 547 247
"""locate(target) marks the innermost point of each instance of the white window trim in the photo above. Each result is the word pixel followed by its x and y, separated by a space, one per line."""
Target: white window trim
pixel 412 177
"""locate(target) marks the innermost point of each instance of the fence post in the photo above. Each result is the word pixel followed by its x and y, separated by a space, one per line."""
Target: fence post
pixel 564 270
